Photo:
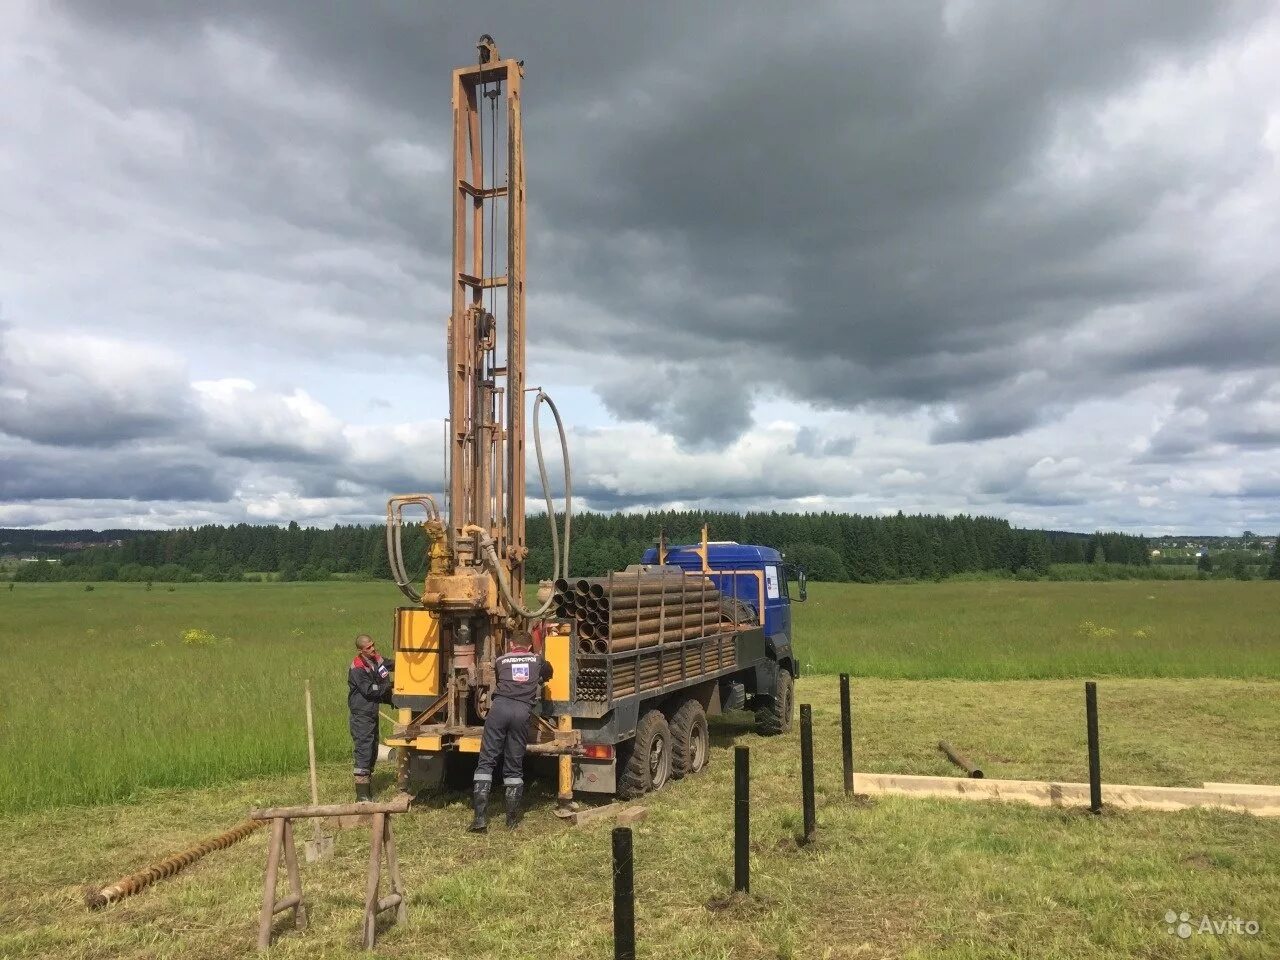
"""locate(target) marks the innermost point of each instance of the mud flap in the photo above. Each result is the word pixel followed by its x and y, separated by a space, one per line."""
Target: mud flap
pixel 595 776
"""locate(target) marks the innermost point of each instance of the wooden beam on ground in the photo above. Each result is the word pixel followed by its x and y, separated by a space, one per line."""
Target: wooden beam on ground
pixel 1260 788
pixel 398 805
pixel 627 816
pixel 1239 798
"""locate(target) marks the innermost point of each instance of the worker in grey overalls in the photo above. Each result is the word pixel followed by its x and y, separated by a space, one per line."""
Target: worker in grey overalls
pixel 520 675
pixel 369 682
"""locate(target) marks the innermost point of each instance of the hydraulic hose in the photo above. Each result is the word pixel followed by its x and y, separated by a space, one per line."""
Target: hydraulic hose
pixel 558 568
pixel 542 398
pixel 395 548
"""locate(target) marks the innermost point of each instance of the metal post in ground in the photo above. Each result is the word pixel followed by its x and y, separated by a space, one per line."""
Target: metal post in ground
pixel 806 770
pixel 846 734
pixel 1095 763
pixel 742 820
pixel 624 896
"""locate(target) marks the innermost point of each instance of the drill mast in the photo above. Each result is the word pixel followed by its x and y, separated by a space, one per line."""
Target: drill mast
pixel 472 594
pixel 486 358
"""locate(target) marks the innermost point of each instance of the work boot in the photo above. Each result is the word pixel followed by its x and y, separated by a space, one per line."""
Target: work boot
pixel 514 793
pixel 480 801
pixel 364 792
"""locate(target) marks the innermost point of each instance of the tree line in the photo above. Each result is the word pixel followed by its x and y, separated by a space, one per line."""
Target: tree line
pixel 827 546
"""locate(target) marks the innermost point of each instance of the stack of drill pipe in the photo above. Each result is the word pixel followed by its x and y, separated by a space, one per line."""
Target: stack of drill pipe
pixel 593 683
pixel 633 617
pixel 630 610
pixel 650 670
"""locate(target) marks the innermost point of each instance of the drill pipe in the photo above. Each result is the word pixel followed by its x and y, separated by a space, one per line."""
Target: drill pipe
pixel 649 664
pixel 631 601
pixel 127 886
pixel 620 644
pixel 706 619
pixel 651 585
pixel 959 760
pixel 562 585
pixel 675 611
pixel 627 684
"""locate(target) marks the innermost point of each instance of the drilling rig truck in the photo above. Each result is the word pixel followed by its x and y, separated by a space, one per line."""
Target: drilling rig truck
pixel 641 656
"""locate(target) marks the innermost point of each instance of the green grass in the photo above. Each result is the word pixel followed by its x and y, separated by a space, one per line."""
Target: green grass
pixel 109 700
pixel 1012 630
pixel 894 877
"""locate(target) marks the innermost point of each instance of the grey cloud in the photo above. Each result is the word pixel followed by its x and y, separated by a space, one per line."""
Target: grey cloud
pixel 1213 413
pixel 139 473
pixel 812 443
pixel 74 391
pixel 702 405
pixel 868 210
pixel 860 188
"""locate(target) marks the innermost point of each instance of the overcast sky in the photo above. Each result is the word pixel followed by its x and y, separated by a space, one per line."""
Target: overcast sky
pixel 1016 258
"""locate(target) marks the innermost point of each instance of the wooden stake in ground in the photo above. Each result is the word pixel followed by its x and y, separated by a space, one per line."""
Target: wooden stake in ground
pixel 321 847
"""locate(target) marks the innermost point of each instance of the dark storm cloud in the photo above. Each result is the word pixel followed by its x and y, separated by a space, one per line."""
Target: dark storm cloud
pixel 134 472
pixel 853 203
pixel 87 391
pixel 943 228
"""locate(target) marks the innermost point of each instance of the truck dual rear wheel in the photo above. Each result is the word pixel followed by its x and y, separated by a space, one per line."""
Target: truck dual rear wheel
pixel 648 765
pixel 775 716
pixel 690 744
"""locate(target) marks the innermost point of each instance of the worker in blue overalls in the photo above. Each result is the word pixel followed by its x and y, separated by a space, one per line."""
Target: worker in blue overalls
pixel 520 673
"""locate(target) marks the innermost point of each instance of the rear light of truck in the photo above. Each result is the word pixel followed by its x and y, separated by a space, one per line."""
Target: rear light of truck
pixel 597 751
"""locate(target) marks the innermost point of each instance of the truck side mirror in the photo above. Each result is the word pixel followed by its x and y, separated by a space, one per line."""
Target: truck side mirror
pixel 804 585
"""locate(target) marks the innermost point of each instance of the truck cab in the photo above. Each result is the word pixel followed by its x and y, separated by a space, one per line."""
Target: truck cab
pixel 751 575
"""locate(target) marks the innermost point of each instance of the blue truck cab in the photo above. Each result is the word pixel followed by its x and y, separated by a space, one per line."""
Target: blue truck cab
pixel 752 575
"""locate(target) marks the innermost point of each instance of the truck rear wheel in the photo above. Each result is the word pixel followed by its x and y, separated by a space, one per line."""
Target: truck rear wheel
pixel 775 716
pixel 690 744
pixel 648 765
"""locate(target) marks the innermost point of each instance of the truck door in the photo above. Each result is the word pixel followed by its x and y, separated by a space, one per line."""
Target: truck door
pixel 777 618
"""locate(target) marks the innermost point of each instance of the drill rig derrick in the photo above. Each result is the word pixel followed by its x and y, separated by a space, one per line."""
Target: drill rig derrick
pixel 471 598
pixel 486 387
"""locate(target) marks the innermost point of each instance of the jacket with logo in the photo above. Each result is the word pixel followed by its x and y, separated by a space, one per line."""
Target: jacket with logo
pixel 521 674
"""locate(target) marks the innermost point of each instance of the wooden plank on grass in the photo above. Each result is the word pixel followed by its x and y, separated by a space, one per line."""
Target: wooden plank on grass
pixel 626 815
pixel 1263 788
pixel 1051 794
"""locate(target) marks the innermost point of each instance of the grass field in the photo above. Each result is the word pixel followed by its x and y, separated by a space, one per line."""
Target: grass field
pixel 892 877
pixel 1004 630
pixel 122 689
pixel 163 716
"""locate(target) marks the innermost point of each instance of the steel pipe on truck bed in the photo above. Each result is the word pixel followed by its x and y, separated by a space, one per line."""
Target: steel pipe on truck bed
pixel 632 642
pixel 709 609
pixel 628 600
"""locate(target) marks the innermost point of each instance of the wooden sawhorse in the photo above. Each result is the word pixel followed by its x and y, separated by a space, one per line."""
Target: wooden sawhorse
pixel 382 844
